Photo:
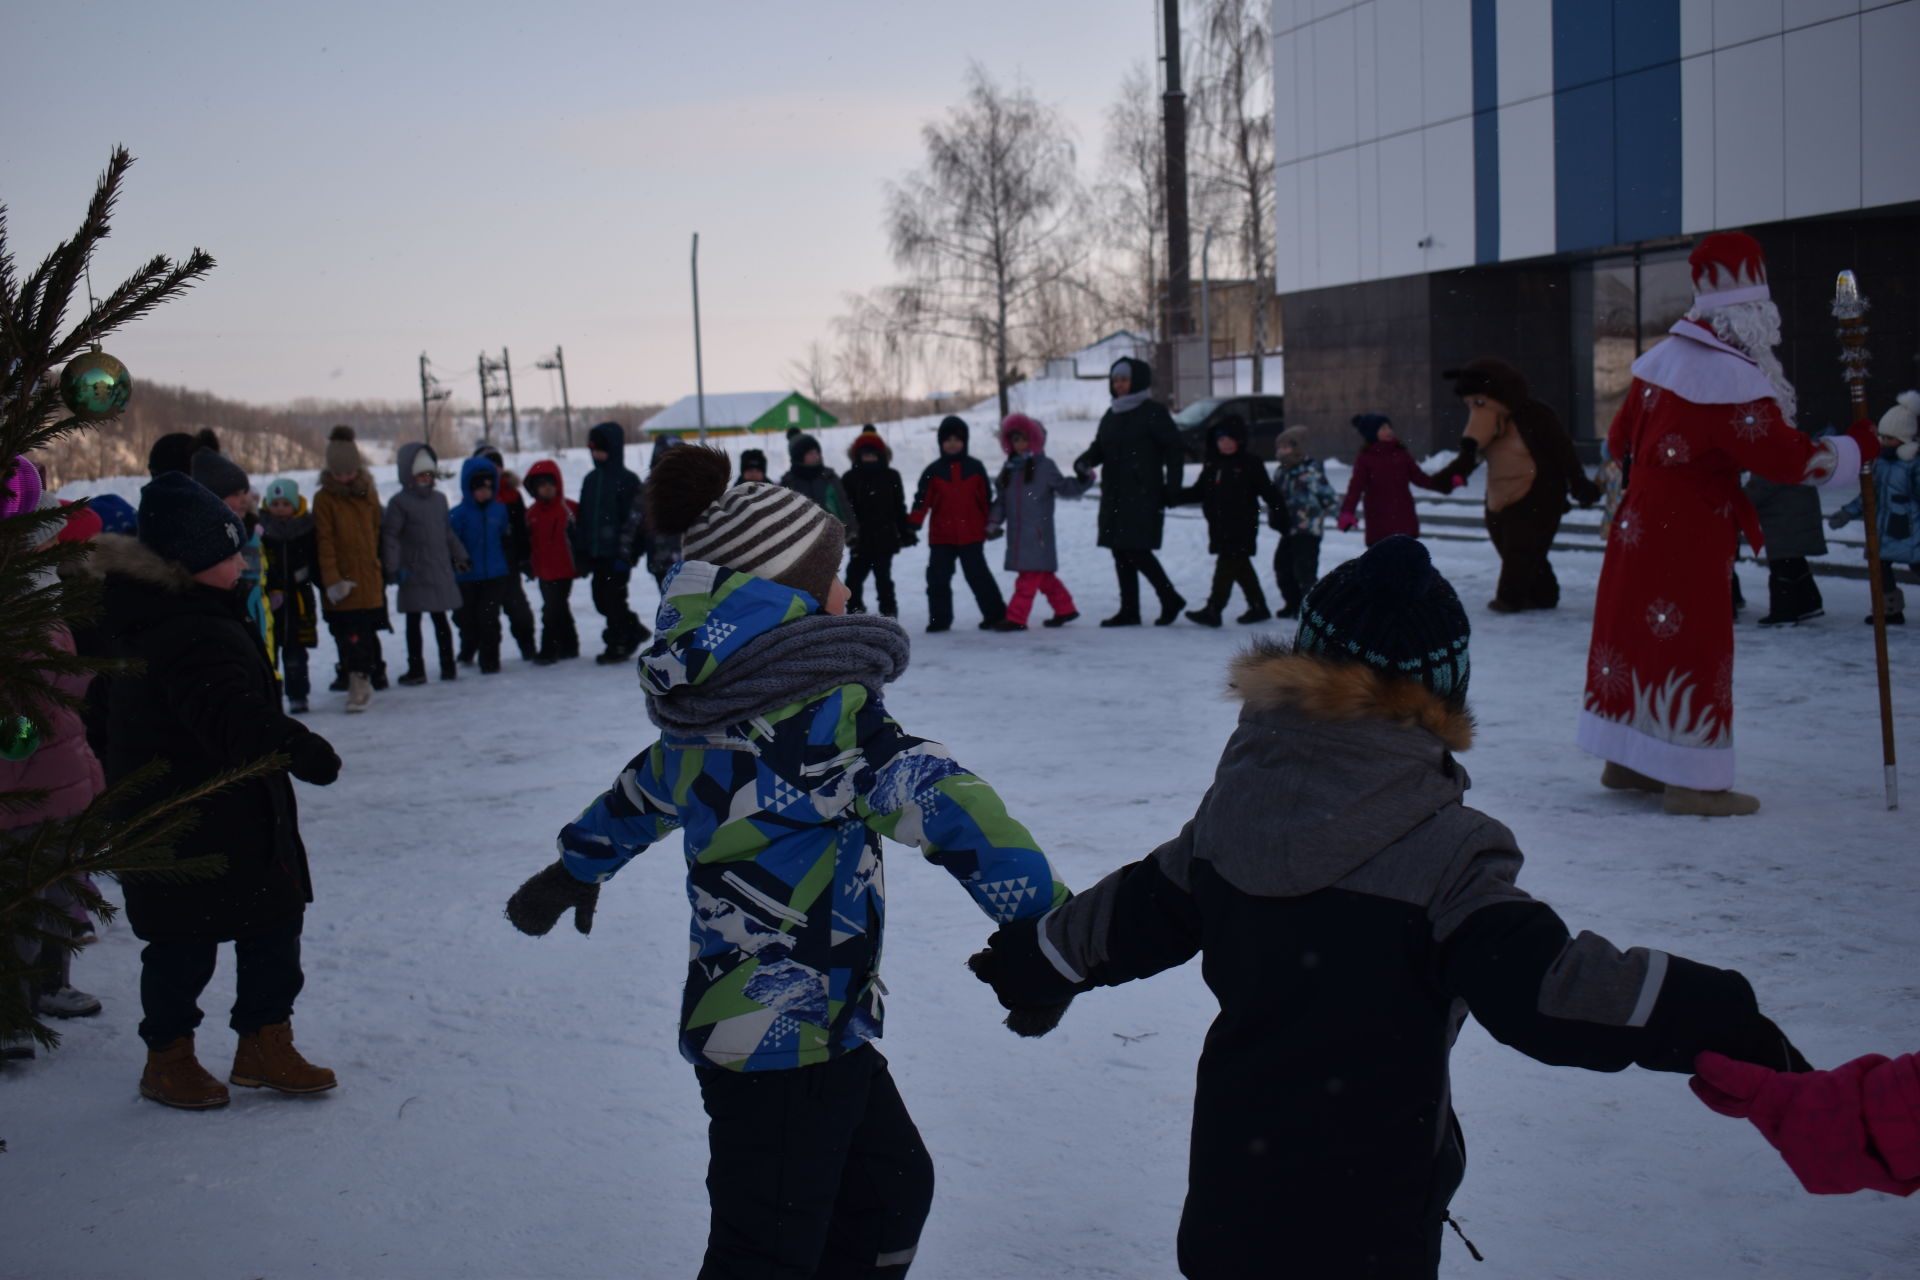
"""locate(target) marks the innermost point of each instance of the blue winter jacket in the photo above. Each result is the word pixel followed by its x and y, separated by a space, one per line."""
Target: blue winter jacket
pixel 481 527
pixel 1896 495
pixel 783 816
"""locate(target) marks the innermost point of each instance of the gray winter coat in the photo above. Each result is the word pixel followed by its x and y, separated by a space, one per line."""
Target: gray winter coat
pixel 1024 508
pixel 417 540
pixel 1789 518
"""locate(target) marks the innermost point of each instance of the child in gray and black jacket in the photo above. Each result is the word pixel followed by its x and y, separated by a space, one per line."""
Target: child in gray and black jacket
pixel 1353 911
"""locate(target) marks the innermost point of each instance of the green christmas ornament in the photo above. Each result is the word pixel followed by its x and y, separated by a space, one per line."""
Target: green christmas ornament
pixel 19 738
pixel 95 385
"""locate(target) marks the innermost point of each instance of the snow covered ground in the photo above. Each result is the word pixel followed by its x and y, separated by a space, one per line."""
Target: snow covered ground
pixel 515 1107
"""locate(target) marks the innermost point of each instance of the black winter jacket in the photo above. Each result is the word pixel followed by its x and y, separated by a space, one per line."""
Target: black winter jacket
pixel 1350 912
pixel 1230 490
pixel 205 703
pixel 609 525
pixel 1141 462
pixel 878 498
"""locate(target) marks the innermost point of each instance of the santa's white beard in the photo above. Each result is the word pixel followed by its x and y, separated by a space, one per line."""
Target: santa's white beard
pixel 1753 327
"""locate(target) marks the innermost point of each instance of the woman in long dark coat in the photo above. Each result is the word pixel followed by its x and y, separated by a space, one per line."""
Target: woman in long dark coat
pixel 1139 448
pixel 203 703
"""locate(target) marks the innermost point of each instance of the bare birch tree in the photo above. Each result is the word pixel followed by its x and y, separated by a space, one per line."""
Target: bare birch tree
pixel 987 226
pixel 1132 197
pixel 1233 100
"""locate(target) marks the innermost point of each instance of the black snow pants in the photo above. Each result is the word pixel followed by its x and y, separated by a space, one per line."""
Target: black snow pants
pixel 173 974
pixel 814 1174
pixel 972 559
pixel 1296 567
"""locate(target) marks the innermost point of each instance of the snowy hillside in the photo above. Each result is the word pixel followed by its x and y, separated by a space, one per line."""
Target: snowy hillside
pixel 516 1107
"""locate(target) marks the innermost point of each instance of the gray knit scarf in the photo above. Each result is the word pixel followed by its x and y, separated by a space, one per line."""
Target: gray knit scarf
pixel 1132 400
pixel 791 663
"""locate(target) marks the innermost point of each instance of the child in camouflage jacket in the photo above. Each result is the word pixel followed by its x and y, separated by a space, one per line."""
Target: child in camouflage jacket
pixel 781 765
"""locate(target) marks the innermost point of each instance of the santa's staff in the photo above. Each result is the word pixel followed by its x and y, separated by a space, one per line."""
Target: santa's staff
pixel 1850 309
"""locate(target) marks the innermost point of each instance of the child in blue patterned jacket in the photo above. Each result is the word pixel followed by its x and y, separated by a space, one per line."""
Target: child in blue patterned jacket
pixel 783 768
pixel 1896 492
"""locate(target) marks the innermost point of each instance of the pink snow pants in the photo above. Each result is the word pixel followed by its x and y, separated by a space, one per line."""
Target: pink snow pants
pixel 1027 585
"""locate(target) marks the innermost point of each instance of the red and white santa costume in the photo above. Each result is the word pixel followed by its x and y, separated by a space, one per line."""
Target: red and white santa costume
pixel 1659 696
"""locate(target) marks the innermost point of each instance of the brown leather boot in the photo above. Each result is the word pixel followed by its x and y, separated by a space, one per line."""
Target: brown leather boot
pixel 267 1060
pixel 175 1078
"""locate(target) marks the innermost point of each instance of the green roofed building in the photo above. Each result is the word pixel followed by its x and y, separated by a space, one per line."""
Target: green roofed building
pixel 737 412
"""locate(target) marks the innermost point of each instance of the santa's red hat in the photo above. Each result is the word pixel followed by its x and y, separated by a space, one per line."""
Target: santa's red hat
pixel 1728 267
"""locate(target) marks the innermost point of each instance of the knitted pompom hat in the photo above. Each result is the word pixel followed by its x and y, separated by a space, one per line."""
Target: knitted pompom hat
pixel 1900 423
pixel 218 472
pixel 284 490
pixel 1391 610
pixel 343 455
pixel 761 529
pixel 183 521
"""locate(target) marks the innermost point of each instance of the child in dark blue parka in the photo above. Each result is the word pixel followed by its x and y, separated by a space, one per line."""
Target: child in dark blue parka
pixel 482 525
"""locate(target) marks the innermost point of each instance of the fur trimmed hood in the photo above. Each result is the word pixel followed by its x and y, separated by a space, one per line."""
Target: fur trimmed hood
pixel 1270 676
pixel 119 555
pixel 1331 763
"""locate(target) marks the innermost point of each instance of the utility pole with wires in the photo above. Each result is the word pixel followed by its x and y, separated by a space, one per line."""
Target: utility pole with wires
pixel 431 393
pixel 513 414
pixel 489 390
pixel 486 393
pixel 559 362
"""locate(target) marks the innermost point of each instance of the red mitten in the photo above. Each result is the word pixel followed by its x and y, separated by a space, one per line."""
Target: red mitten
pixel 1459 482
pixel 1867 436
pixel 1346 521
pixel 1816 1120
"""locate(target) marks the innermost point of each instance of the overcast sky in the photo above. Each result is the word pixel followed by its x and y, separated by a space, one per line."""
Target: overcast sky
pixel 382 179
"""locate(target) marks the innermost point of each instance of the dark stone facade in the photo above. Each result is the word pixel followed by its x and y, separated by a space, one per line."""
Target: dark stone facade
pixel 1381 346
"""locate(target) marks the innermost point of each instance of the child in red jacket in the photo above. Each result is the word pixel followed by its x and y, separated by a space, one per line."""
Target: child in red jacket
pixel 550 537
pixel 1383 476
pixel 956 494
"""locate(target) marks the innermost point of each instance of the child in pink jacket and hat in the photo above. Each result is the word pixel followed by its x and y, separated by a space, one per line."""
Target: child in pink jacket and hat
pixel 50 757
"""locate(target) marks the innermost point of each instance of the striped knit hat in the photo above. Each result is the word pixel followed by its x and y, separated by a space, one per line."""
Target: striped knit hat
pixel 1391 610
pixel 762 529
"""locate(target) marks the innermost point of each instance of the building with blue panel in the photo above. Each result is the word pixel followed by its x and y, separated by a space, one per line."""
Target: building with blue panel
pixel 1524 178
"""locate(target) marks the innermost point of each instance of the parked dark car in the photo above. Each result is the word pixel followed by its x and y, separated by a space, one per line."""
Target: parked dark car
pixel 1265 417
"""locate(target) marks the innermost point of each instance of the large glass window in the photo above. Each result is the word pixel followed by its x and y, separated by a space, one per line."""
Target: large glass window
pixel 1621 306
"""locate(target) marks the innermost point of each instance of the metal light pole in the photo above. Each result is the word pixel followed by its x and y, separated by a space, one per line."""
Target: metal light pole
pixel 559 362
pixel 1206 310
pixel 426 416
pixel 1174 108
pixel 513 414
pixel 699 379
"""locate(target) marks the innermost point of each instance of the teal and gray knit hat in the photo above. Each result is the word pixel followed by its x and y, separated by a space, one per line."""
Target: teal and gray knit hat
pixel 1391 610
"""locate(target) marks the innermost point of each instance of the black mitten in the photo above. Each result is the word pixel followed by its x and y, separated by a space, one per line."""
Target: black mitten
pixel 313 759
pixel 1035 997
pixel 537 905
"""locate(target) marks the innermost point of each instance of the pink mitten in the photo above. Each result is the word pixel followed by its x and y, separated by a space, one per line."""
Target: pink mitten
pixel 1816 1120
pixel 1346 521
pixel 1459 482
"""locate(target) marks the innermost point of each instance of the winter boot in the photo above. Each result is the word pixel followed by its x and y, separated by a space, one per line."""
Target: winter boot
pixel 1709 804
pixel 175 1078
pixel 359 692
pixel 1008 624
pixel 414 676
pixel 1061 619
pixel 266 1059
pixel 449 669
pixel 1291 611
pixel 339 684
pixel 1258 613
pixel 1170 607
pixel 296 706
pixel 1207 617
pixel 66 1003
pixel 378 676
pixel 1617 777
